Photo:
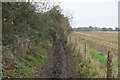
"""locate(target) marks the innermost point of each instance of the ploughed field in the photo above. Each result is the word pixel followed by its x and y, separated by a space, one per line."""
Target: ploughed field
pixel 109 37
pixel 103 40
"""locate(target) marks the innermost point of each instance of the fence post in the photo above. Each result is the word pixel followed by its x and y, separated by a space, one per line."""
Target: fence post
pixel 78 51
pixel 109 65
pixel 77 47
pixel 85 49
pixel 69 39
pixel 76 42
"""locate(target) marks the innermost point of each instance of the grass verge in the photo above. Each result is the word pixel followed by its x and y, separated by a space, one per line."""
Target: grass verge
pixel 102 59
pixel 25 65
pixel 86 66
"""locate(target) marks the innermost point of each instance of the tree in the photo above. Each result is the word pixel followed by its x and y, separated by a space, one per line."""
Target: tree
pixel 16 15
pixel 116 29
pixel 104 29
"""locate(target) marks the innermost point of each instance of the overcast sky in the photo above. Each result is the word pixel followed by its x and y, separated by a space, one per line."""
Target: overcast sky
pixel 96 13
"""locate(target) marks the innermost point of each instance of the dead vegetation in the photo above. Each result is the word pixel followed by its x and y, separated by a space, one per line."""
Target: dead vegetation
pixel 102 41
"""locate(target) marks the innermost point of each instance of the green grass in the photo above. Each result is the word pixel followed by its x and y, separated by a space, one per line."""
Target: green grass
pixel 94 64
pixel 115 66
pixel 27 64
pixel 99 56
pixel 102 59
pixel 86 67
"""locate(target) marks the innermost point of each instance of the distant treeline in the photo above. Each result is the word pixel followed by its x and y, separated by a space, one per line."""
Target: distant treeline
pixel 95 29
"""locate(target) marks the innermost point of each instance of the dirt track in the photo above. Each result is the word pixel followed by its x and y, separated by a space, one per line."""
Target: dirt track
pixel 58 64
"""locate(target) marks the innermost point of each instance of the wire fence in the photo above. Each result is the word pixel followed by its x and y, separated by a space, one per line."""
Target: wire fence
pixel 74 43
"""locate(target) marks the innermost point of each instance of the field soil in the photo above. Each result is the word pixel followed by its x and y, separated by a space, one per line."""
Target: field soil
pixel 59 64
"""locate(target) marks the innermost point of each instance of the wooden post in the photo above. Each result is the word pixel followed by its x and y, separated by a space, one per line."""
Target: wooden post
pixel 70 39
pixel 77 47
pixel 78 50
pixel 76 43
pixel 69 42
pixel 85 49
pixel 109 65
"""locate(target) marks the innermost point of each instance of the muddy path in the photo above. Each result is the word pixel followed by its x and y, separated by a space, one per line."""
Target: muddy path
pixel 59 63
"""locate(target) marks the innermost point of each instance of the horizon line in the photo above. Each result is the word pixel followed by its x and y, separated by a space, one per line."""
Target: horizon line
pixel 96 26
